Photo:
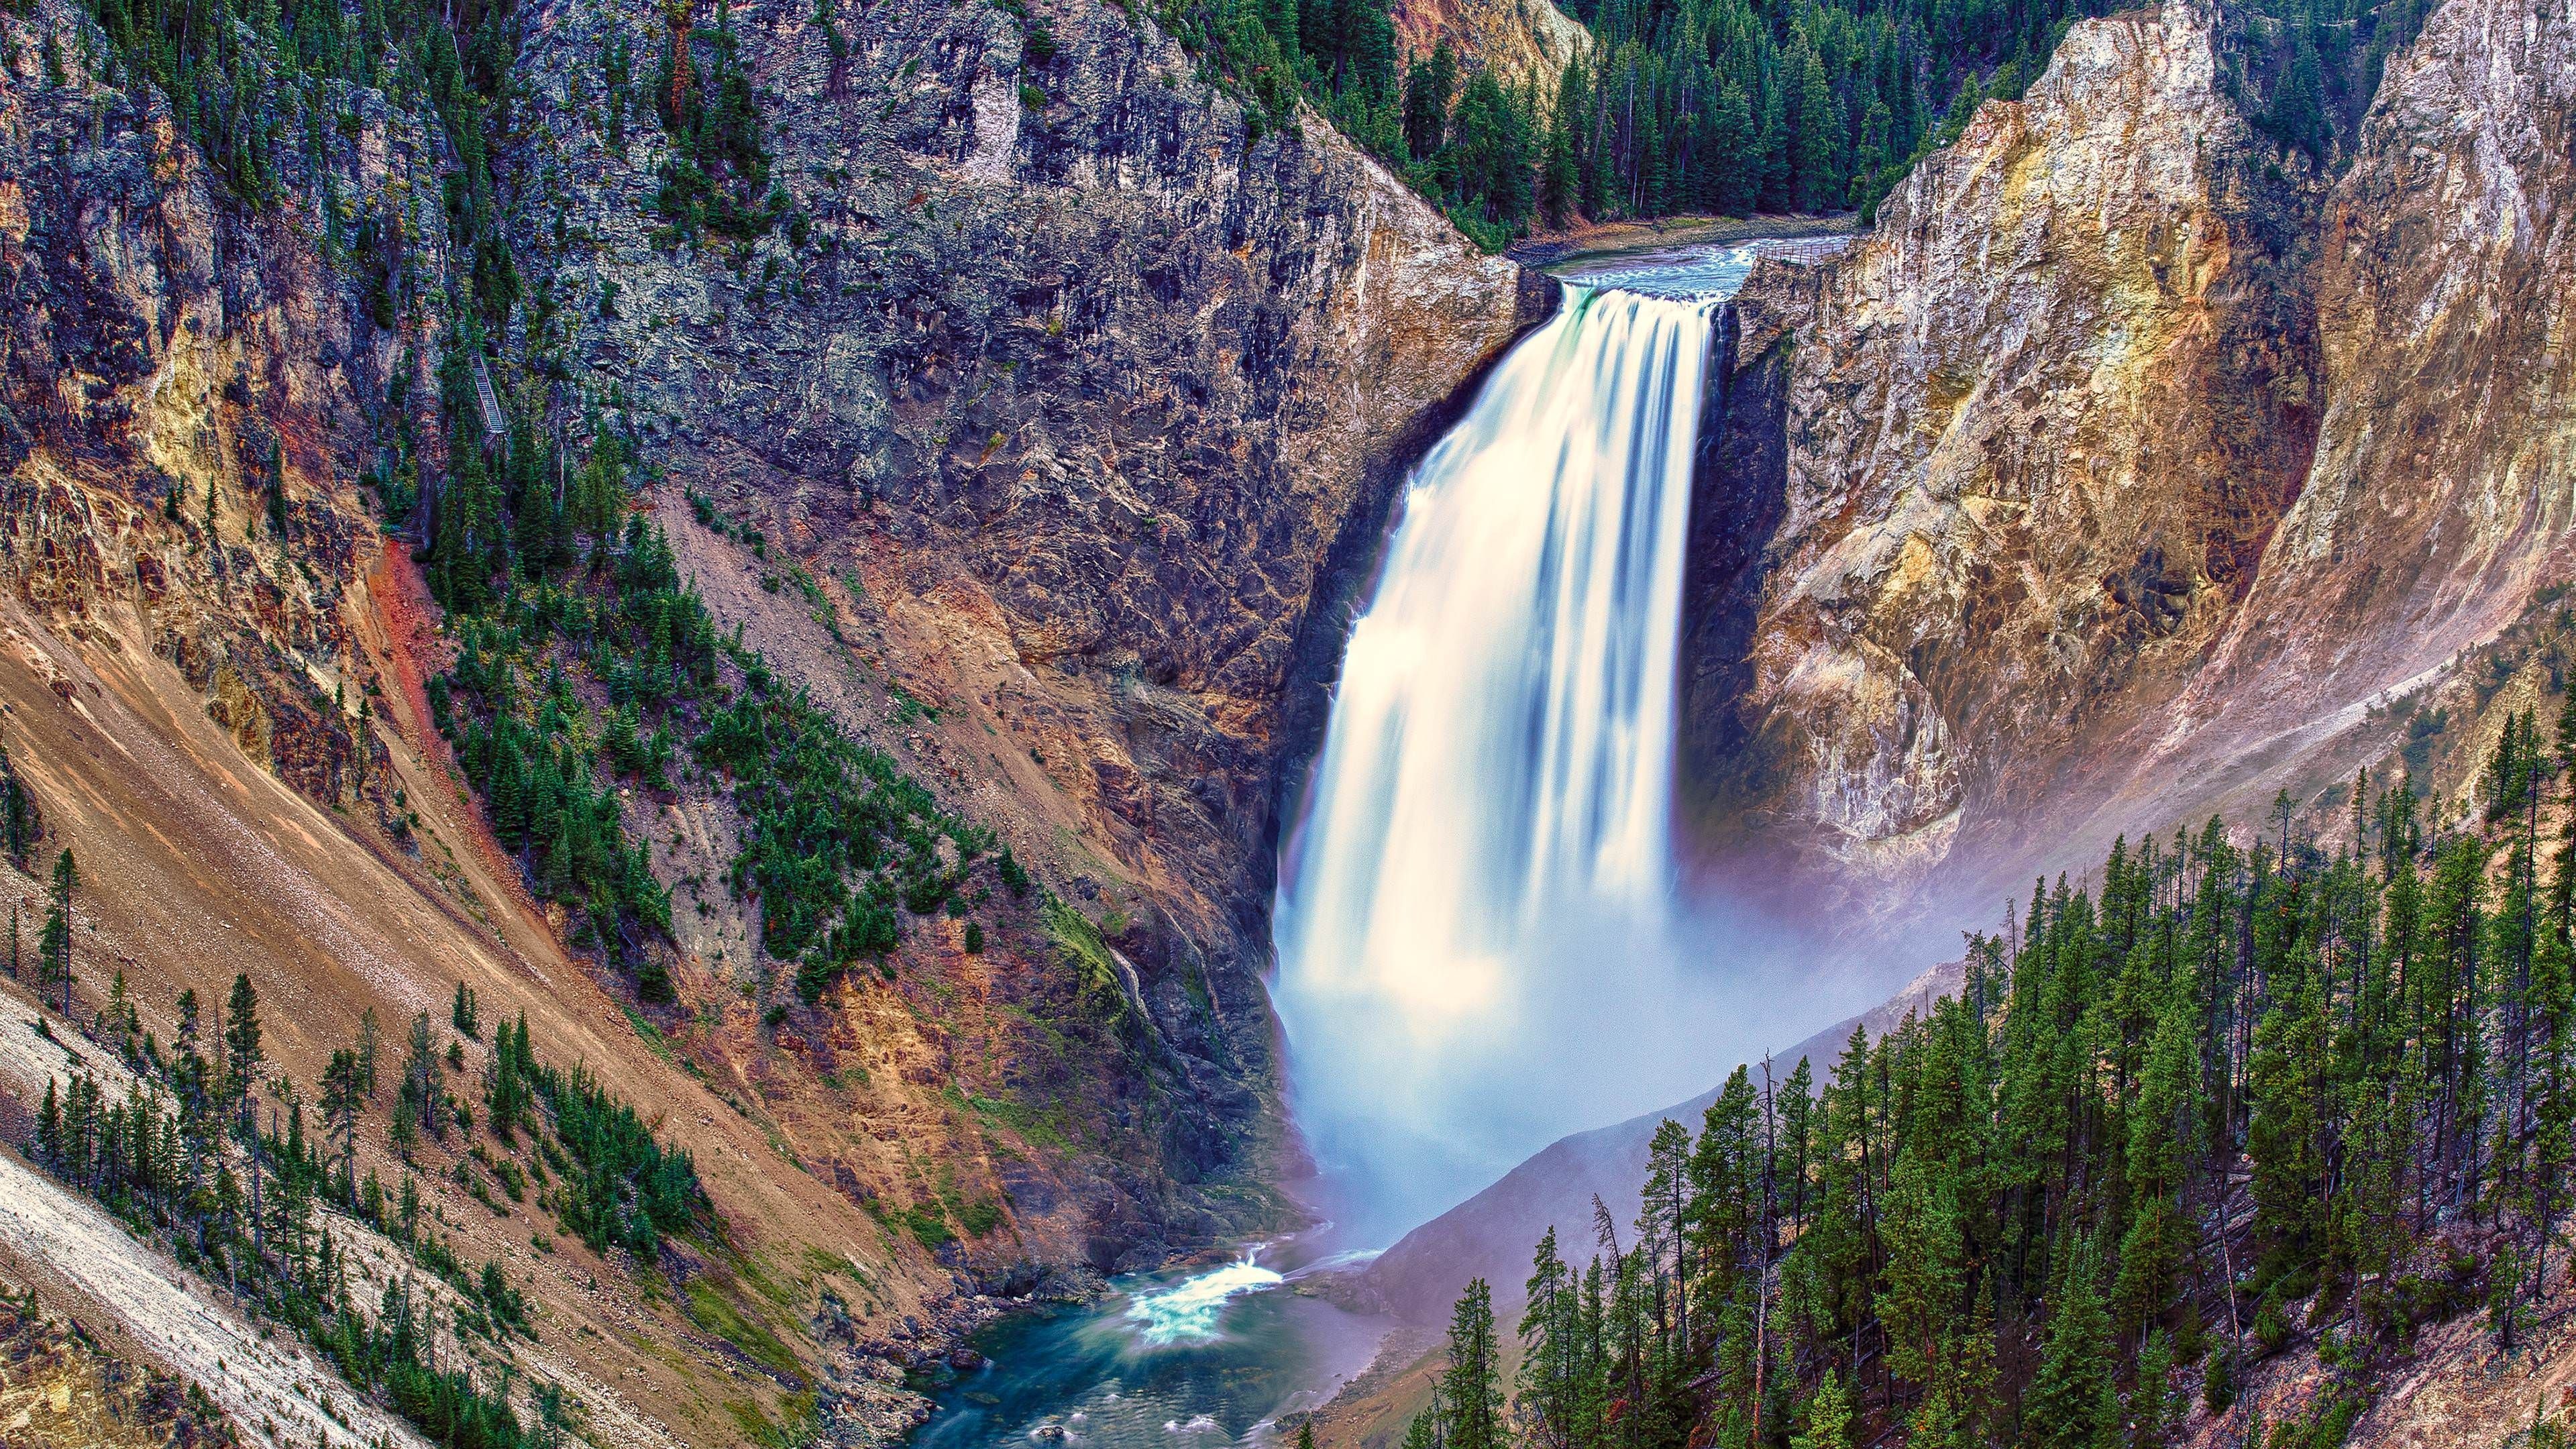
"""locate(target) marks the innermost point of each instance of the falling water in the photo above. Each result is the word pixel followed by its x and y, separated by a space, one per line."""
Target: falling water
pixel 1484 856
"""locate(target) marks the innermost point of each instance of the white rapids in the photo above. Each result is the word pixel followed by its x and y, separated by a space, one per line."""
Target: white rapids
pixel 1193 1311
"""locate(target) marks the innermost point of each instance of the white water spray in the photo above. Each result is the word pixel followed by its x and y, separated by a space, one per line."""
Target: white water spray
pixel 1480 886
pixel 1193 1311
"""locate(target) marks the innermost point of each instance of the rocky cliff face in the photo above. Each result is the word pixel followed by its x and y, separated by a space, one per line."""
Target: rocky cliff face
pixel 2438 503
pixel 173 362
pixel 2127 458
pixel 209 661
pixel 1085 395
pixel 1044 443
pixel 1527 42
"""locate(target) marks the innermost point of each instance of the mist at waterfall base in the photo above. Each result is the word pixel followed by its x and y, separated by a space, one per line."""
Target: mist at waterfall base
pixel 1479 949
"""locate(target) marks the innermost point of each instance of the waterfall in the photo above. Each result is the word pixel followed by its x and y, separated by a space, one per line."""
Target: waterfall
pixel 1484 859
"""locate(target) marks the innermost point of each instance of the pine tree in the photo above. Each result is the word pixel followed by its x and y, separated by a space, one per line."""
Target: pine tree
pixel 1828 1417
pixel 422 1103
pixel 2162 1148
pixel 54 947
pixel 1428 85
pixel 243 1055
pixel 342 1102
pixel 21 825
pixel 2296 116
pixel 1551 1335
pixel 2072 1403
pixel 1927 1269
pixel 1733 165
pixel 2284 1081
pixel 1471 1391
pixel 49 1129
pixel 1561 176
pixel 1816 146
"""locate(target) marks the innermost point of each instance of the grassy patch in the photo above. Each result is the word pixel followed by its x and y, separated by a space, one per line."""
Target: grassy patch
pixel 823 1263
pixel 1049 1127
pixel 651 1034
pixel 712 1311
pixel 758 1428
pixel 781 1294
pixel 1081 944
pixel 980 1216
pixel 927 1224
pixel 1046 1031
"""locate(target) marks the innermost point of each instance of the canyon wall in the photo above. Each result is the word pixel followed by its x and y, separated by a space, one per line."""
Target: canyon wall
pixel 210 656
pixel 1084 391
pixel 1045 444
pixel 2128 460
pixel 172 359
pixel 2437 508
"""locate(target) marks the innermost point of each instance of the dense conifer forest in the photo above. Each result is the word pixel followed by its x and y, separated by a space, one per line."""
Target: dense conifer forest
pixel 1735 107
pixel 2312 1088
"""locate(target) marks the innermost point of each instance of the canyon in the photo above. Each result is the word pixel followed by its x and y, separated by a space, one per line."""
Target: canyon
pixel 2129 467
pixel 1068 435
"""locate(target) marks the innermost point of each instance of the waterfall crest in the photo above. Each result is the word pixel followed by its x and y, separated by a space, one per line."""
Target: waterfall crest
pixel 1486 830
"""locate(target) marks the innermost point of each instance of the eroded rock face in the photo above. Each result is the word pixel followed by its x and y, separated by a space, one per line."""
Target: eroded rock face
pixel 1069 404
pixel 2126 460
pixel 2446 300
pixel 2038 425
pixel 1096 390
pixel 1527 42
pixel 188 394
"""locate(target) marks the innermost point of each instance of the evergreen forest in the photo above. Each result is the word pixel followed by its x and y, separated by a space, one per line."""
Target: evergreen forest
pixel 1734 107
pixel 2312 1090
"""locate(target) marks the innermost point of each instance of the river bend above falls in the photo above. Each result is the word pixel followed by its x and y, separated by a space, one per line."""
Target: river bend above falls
pixel 1497 765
